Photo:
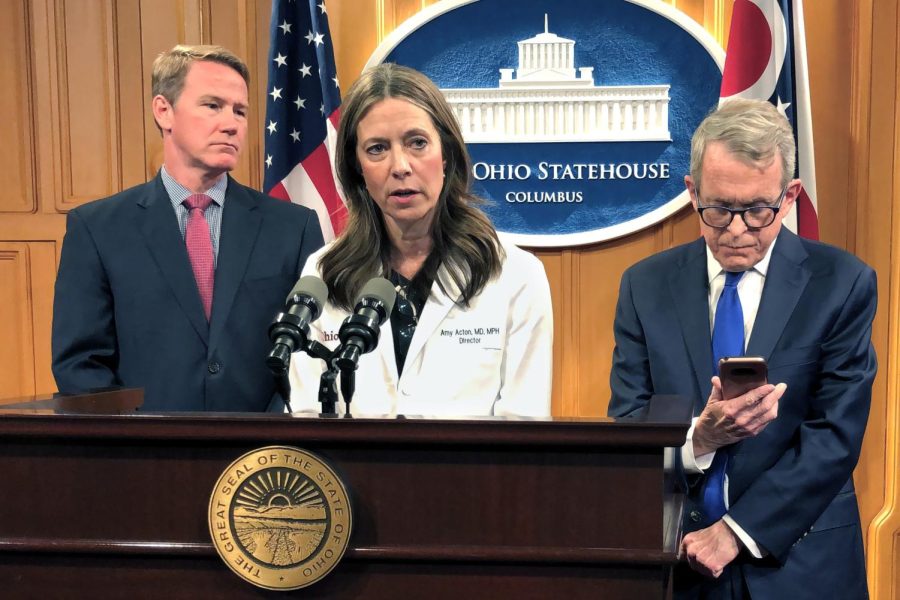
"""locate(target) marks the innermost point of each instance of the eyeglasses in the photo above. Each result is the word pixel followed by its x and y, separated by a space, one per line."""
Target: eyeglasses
pixel 755 217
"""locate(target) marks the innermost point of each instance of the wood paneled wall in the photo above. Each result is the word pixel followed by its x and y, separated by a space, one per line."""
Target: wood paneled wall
pixel 873 232
pixel 76 76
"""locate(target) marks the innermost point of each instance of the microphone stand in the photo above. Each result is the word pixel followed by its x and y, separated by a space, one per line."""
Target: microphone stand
pixel 327 382
pixel 283 387
pixel 328 392
pixel 286 325
pixel 348 386
pixel 346 359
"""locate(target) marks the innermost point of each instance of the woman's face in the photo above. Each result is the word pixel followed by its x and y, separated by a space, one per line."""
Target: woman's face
pixel 399 151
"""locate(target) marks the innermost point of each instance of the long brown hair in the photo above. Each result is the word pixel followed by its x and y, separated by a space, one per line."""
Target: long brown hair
pixel 464 240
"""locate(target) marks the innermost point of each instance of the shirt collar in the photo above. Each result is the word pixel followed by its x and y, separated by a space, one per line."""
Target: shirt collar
pixel 178 193
pixel 713 268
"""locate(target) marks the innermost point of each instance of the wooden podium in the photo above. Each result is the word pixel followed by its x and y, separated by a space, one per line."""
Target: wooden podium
pixel 101 501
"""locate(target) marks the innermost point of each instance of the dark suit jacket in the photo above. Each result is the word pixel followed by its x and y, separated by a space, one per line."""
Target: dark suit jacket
pixel 127 311
pixel 791 487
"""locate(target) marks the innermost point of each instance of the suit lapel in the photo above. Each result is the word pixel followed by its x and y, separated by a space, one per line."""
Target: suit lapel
pixel 385 352
pixel 689 288
pixel 240 227
pixel 785 281
pixel 159 226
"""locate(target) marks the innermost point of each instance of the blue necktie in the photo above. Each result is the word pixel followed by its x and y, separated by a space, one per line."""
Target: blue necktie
pixel 727 340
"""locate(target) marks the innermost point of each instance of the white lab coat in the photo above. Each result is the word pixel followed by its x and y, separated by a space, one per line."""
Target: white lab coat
pixel 492 358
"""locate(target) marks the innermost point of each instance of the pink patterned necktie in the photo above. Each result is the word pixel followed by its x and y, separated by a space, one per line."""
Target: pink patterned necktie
pixel 199 248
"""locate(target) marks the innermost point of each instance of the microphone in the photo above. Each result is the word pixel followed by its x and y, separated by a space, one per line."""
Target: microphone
pixel 359 333
pixel 290 329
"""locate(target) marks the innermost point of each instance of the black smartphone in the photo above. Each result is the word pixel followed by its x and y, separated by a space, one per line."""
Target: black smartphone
pixel 740 374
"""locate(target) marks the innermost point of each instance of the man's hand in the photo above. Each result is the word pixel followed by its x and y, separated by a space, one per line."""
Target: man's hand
pixel 710 550
pixel 726 421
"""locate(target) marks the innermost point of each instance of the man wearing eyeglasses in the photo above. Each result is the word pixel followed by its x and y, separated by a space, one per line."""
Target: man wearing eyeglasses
pixel 771 511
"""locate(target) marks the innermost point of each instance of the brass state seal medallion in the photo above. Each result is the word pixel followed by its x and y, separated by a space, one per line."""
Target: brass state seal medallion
pixel 280 518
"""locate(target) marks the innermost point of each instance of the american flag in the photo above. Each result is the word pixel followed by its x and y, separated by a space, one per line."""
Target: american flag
pixel 766 59
pixel 302 110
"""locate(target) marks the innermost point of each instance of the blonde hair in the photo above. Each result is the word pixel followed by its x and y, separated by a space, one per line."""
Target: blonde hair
pixel 170 68
pixel 752 130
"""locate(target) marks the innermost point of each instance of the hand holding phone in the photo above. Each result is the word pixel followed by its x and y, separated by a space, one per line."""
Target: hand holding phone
pixel 717 425
pixel 740 374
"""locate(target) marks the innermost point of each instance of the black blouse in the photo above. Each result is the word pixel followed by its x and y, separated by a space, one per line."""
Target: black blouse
pixel 406 314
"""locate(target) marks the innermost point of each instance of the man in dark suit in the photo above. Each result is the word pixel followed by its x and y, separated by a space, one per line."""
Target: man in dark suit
pixel 771 509
pixel 170 285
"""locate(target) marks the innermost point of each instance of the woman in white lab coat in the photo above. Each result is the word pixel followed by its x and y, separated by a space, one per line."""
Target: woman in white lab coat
pixel 471 331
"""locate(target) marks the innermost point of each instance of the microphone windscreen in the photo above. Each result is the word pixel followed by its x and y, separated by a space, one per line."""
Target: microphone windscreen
pixel 311 286
pixel 380 289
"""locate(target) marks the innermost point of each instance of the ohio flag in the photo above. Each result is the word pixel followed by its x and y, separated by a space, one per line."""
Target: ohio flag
pixel 766 59
pixel 302 110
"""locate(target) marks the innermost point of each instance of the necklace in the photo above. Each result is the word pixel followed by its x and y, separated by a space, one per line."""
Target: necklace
pixel 407 308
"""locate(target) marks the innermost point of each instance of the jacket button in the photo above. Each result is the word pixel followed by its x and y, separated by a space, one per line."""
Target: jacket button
pixel 696 516
pixel 214 367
